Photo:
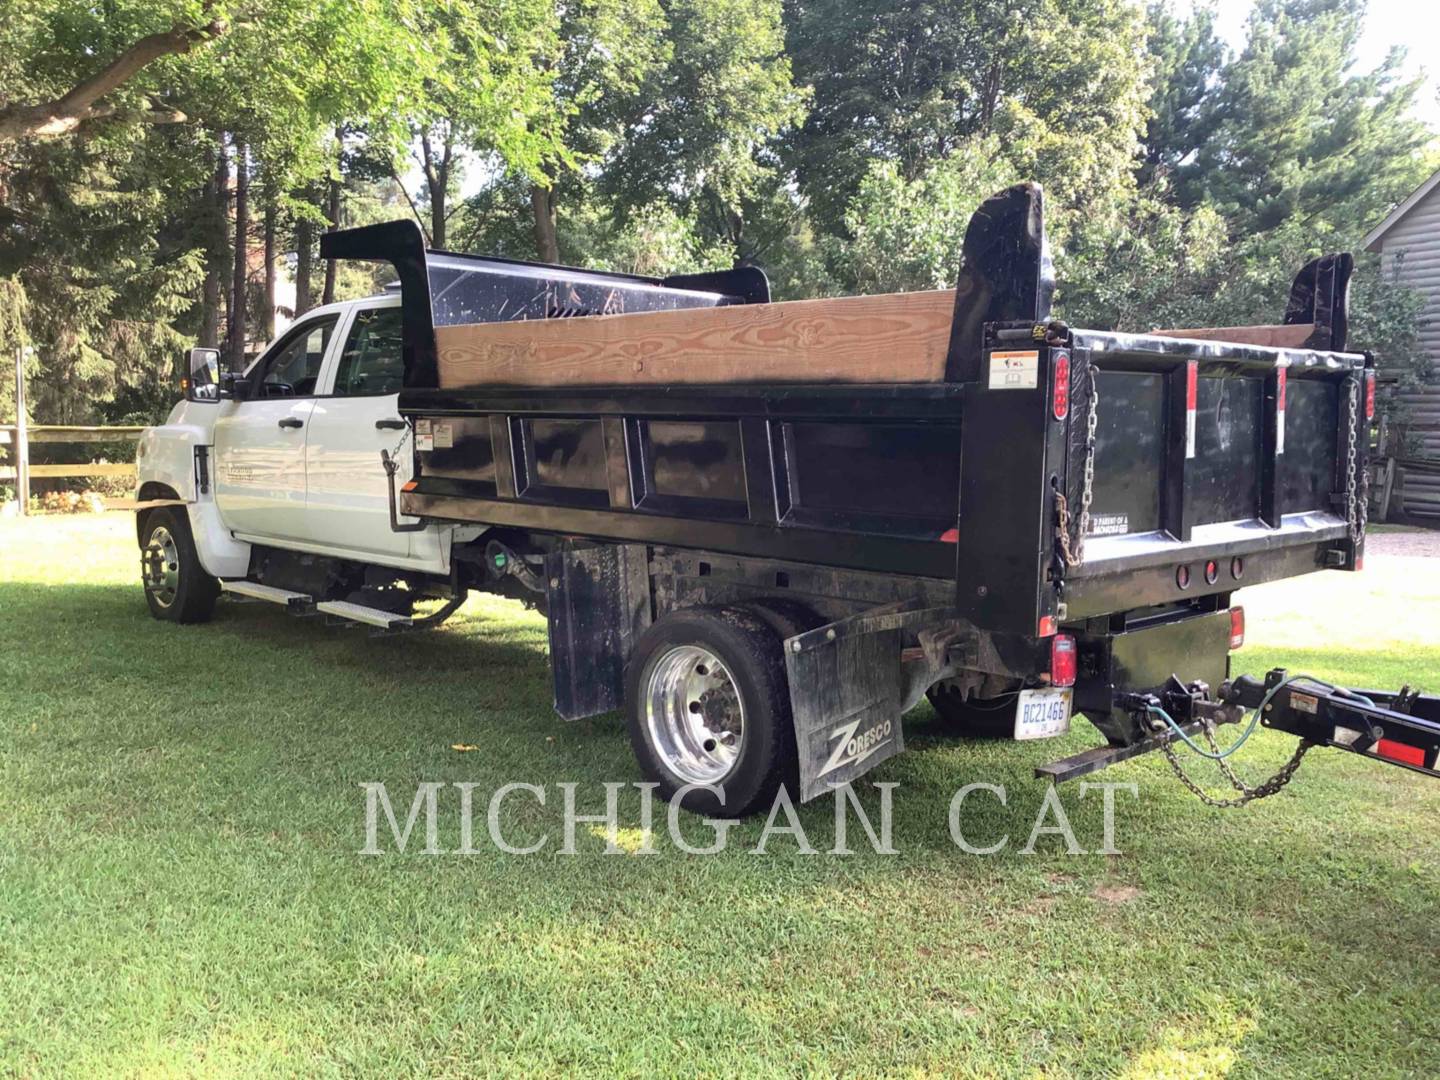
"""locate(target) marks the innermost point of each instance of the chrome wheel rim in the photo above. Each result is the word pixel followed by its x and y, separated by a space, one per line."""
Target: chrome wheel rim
pixel 694 714
pixel 160 566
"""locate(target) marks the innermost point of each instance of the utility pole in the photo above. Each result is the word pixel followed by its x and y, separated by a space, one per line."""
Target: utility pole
pixel 22 439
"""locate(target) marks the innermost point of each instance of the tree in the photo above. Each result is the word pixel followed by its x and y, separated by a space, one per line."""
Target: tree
pixel 701 132
pixel 115 87
pixel 1293 130
pixel 1188 59
pixel 1062 83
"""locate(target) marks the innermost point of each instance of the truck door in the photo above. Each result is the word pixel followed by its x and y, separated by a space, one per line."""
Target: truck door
pixel 260 441
pixel 348 499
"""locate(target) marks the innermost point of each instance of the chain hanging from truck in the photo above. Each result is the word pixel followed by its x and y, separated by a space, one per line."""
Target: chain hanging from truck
pixel 1072 549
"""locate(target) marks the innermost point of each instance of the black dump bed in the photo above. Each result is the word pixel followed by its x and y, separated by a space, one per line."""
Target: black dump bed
pixel 1053 475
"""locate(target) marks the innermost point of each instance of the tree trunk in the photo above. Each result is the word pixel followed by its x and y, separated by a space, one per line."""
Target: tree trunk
pixel 217 245
pixel 542 209
pixel 332 215
pixel 437 216
pixel 242 260
pixel 304 264
pixel 267 319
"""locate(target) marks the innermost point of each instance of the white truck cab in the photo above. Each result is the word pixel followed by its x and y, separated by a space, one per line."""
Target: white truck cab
pixel 289 462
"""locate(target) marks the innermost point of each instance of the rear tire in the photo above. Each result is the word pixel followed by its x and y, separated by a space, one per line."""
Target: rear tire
pixel 177 588
pixel 975 718
pixel 707 702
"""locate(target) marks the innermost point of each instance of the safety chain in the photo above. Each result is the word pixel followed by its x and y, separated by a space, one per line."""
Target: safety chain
pixel 1357 491
pixel 1073 550
pixel 1248 794
pixel 391 462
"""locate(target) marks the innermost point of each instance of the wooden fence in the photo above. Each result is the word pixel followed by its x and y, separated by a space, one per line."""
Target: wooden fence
pixel 18 438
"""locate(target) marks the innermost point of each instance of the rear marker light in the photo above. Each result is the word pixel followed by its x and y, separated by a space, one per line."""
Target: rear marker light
pixel 1182 576
pixel 1237 627
pixel 1237 567
pixel 1062 660
pixel 1061 393
pixel 1370 395
pixel 1212 572
pixel 1397 751
pixel 1048 626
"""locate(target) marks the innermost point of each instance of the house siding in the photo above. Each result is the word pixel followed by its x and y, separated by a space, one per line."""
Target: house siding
pixel 1411 250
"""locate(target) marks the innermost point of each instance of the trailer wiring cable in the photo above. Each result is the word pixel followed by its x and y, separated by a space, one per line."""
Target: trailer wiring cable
pixel 1248 793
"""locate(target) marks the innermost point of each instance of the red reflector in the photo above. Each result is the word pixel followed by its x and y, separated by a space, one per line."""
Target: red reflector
pixel 1047 627
pixel 1370 395
pixel 1237 627
pixel 1396 751
pixel 1061 395
pixel 1062 660
pixel 950 536
pixel 1192 384
pixel 410 485
pixel 1212 572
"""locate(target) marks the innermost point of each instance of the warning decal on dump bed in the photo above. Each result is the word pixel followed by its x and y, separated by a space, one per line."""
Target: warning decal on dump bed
pixel 1014 370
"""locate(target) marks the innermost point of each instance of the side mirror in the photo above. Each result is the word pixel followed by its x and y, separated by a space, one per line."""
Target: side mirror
pixel 202 376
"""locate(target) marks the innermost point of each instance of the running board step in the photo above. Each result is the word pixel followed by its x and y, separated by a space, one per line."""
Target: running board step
pixel 385 620
pixel 253 590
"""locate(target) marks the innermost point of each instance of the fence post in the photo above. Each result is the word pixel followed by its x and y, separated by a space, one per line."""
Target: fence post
pixel 22 436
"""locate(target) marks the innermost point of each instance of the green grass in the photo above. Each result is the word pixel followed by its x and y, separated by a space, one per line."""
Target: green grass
pixel 180 892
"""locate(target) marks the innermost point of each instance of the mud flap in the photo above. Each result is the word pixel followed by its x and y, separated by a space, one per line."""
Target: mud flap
pixel 598 601
pixel 847 690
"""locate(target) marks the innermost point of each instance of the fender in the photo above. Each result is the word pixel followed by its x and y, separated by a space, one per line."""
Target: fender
pixel 165 458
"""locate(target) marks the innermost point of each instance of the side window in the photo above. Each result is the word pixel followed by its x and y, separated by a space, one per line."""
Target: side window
pixel 293 369
pixel 372 362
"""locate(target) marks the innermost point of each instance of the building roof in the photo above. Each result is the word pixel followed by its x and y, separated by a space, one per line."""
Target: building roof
pixel 1374 237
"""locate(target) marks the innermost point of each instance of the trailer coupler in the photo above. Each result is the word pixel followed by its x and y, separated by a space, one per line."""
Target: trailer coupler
pixel 1190 706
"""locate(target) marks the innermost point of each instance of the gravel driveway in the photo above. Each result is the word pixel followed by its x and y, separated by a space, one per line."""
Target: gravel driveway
pixel 1422 543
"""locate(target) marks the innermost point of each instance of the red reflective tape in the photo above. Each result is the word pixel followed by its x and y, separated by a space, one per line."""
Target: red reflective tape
pixel 1397 751
pixel 1192 396
pixel 950 536
pixel 1280 378
pixel 1370 395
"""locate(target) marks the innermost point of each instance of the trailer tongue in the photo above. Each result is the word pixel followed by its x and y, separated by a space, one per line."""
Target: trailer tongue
pixel 867 500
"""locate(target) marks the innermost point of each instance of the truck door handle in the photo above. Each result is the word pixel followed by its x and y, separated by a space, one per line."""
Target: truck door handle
pixel 390 425
pixel 292 422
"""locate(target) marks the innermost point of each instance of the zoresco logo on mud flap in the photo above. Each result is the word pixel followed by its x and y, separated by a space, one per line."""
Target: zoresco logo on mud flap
pixel 851 749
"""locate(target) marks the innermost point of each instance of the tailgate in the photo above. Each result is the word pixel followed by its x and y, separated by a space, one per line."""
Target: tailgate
pixel 1215 465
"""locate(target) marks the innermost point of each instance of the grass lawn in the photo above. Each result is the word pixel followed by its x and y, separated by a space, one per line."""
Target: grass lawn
pixel 180 889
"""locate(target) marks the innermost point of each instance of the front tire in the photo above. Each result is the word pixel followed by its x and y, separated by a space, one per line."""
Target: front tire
pixel 177 588
pixel 707 702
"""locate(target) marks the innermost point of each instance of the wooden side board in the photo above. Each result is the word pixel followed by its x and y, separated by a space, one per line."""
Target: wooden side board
pixel 894 338
pixel 1281 336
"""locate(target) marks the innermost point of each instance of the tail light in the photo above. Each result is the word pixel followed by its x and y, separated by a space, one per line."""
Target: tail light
pixel 1061 393
pixel 1062 660
pixel 1237 627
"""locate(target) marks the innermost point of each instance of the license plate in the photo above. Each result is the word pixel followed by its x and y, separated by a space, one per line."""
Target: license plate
pixel 1042 714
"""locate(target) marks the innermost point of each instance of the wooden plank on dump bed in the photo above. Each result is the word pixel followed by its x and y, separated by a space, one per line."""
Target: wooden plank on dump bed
pixel 1279 336
pixel 894 338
